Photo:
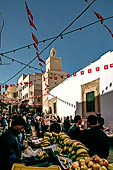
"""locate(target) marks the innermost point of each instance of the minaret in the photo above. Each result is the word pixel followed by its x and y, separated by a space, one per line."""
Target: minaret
pixel 54 75
pixel 53 63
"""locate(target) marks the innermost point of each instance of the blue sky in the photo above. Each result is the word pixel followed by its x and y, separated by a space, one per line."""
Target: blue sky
pixel 77 49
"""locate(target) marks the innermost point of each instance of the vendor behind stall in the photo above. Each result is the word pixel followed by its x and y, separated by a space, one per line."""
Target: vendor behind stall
pixel 10 149
pixel 95 139
pixel 74 132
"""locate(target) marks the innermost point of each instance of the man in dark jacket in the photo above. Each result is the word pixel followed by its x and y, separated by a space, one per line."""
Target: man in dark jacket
pixel 10 151
pixel 74 131
pixel 55 126
pixel 95 139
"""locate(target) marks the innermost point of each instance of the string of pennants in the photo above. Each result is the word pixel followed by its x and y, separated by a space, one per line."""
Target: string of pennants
pixel 30 18
pixel 18 84
pixel 99 16
pixel 82 72
pixel 55 77
pixel 41 61
pixel 19 101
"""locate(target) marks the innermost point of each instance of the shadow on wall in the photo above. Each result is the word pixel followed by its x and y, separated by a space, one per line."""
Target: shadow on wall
pixel 106 109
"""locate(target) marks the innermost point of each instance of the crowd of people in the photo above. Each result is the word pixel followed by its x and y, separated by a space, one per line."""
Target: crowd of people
pixel 16 126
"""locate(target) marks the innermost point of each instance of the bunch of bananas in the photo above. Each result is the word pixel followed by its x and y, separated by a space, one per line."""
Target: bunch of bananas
pixel 59 151
pixel 79 151
pixel 72 148
pixel 65 161
pixel 45 141
pixel 50 138
pixel 42 155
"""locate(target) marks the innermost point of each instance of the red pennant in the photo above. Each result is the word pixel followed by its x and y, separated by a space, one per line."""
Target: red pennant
pixel 34 38
pixel 55 78
pixel 99 17
pixel 40 58
pixel 62 77
pixel 21 84
pixel 2 86
pixel 68 75
pixel 46 85
pixel 36 47
pixel 111 65
pixel 37 54
pixel 50 77
pixel 6 86
pixel 74 74
pixel 46 88
pixel 48 92
pixel 11 85
pixel 42 71
pixel 89 70
pixel 30 82
pixel 108 30
pixel 97 68
pixel 28 11
pixel 43 75
pixel 31 24
pixel 105 67
pixel 40 64
pixel 82 72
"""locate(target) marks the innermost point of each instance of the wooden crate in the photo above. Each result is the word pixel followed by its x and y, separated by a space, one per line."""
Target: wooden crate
pixel 22 167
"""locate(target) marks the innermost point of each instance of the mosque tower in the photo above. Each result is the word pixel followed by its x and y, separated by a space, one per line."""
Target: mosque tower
pixel 53 76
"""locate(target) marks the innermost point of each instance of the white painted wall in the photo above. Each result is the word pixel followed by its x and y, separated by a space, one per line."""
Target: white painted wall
pixel 70 89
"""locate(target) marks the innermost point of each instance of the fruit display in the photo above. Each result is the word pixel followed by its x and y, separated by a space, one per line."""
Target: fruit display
pixel 50 138
pixel 91 163
pixel 42 155
pixel 73 149
pixel 76 151
pixel 110 166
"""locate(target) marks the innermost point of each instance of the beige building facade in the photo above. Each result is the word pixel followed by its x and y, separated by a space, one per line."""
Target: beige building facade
pixel 53 77
pixel 32 90
pixel 11 92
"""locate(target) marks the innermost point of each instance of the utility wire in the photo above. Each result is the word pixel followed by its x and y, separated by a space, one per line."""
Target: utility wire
pixel 17 61
pixel 42 41
pixel 51 42
pixel 77 29
pixel 51 38
pixel 80 28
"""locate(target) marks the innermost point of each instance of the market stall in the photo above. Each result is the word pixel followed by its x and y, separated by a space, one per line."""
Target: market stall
pixel 60 150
